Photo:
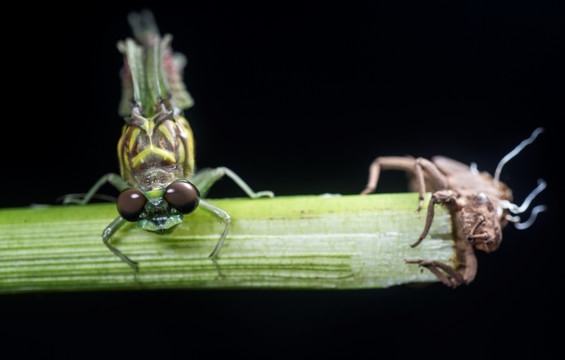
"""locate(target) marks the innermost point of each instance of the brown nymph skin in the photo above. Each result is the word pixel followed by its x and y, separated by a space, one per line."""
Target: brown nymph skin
pixel 473 199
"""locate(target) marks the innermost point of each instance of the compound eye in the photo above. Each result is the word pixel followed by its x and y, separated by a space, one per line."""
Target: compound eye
pixel 183 196
pixel 481 197
pixel 130 204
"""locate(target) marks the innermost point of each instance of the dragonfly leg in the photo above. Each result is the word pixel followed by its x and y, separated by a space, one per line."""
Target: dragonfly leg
pixel 225 218
pixel 432 174
pixel 82 199
pixel 218 269
pixel 439 197
pixel 107 234
pixel 76 198
pixel 445 273
pixel 422 169
pixel 205 178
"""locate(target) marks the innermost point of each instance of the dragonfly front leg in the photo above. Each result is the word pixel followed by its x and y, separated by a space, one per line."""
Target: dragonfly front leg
pixel 225 218
pixel 439 197
pixel 449 276
pixel 107 234
pixel 463 274
pixel 82 199
pixel 205 178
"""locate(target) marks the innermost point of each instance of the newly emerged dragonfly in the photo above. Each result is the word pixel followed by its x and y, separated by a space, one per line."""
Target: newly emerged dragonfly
pixel 157 180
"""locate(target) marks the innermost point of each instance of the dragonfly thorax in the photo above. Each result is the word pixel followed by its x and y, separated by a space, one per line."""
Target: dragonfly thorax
pixel 154 152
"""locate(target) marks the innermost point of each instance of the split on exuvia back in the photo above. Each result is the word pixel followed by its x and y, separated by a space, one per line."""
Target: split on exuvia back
pixel 157 181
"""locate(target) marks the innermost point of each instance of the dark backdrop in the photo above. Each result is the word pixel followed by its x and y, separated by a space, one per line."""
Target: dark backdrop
pixel 299 99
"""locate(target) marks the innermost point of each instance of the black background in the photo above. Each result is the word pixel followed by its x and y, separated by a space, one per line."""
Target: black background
pixel 299 99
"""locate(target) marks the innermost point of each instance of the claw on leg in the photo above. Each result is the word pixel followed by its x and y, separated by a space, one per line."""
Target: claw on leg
pixel 445 273
pixel 265 193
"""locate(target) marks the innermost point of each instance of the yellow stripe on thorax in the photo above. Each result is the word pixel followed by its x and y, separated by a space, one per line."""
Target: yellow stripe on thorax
pixel 152 150
pixel 134 134
pixel 165 130
pixel 184 127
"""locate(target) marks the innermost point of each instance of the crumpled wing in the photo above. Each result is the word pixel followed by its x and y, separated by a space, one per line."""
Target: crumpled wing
pixel 151 71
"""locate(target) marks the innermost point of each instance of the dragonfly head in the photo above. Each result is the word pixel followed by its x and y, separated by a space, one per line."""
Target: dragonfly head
pixel 159 211
pixel 158 217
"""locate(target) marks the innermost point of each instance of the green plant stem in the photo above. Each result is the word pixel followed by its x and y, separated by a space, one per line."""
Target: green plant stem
pixel 298 242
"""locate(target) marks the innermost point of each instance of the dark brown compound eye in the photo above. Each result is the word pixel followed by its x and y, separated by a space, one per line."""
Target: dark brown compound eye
pixel 130 204
pixel 183 196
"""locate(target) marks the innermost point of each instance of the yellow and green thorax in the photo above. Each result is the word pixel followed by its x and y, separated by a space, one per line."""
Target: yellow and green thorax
pixel 155 152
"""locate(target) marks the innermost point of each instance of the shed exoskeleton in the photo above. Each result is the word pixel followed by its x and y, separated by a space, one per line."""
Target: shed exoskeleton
pixel 480 206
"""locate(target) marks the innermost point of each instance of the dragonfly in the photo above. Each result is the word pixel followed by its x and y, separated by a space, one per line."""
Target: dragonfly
pixel 158 181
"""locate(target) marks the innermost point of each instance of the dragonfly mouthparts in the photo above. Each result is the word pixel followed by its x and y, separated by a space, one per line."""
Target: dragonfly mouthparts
pixel 161 224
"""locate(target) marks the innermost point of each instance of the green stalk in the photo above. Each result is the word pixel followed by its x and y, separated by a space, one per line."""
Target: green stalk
pixel 298 242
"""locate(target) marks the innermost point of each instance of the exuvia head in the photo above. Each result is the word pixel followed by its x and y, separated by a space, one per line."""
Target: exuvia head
pixel 482 225
pixel 159 211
